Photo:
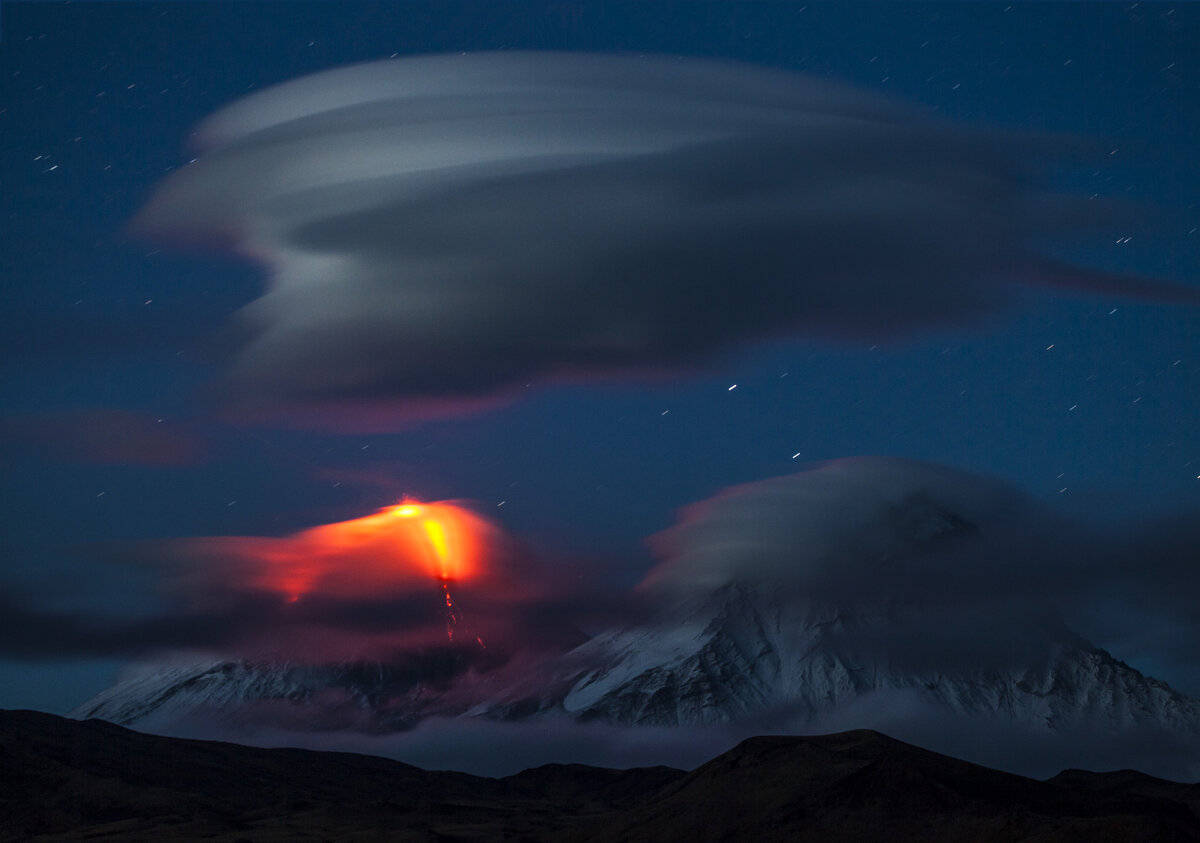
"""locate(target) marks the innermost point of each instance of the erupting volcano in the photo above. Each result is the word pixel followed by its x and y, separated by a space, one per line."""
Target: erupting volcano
pixel 374 554
pixel 361 629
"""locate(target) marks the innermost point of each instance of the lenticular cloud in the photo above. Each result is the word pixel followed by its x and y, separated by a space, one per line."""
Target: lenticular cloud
pixel 438 229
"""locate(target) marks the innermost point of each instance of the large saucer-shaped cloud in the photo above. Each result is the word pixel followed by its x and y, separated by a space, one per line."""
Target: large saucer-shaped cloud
pixel 439 229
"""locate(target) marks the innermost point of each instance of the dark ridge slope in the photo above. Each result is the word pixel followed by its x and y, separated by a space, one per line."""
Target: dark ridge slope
pixel 64 779
pixel 862 785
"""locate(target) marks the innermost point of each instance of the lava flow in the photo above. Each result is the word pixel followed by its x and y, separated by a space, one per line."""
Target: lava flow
pixel 447 564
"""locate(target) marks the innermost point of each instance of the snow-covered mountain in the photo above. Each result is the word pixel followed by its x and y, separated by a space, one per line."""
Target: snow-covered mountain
pixel 871 590
pixel 367 695
pixel 746 653
pixel 739 654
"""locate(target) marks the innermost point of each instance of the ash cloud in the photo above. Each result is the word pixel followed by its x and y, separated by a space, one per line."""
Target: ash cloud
pixel 441 230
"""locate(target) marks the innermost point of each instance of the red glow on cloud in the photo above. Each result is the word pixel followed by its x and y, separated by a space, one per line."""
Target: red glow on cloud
pixel 395 549
pixel 411 575
pixel 108 437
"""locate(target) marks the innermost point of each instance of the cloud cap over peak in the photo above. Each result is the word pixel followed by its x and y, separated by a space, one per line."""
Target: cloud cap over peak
pixel 963 567
pixel 440 229
pixel 847 526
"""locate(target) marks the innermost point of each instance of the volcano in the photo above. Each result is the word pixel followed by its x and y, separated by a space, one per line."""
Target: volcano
pixel 871 593
pixel 380 694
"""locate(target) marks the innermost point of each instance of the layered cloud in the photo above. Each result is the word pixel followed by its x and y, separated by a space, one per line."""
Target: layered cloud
pixel 440 230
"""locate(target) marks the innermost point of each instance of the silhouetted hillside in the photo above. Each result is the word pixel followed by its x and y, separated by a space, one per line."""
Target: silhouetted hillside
pixel 67 779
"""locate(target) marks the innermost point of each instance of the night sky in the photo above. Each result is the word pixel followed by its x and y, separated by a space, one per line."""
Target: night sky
pixel 112 433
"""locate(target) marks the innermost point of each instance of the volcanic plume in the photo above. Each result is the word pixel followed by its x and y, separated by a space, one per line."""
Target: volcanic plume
pixel 390 549
pixel 366 587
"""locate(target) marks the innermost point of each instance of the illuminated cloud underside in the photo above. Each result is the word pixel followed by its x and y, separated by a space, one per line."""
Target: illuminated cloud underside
pixel 440 229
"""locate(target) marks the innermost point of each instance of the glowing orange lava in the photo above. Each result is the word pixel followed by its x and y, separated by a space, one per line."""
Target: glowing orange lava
pixel 395 547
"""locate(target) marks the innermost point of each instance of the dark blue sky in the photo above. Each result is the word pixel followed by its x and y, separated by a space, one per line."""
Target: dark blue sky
pixel 1089 401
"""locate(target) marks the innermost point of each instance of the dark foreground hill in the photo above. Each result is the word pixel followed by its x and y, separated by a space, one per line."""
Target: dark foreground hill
pixel 66 779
